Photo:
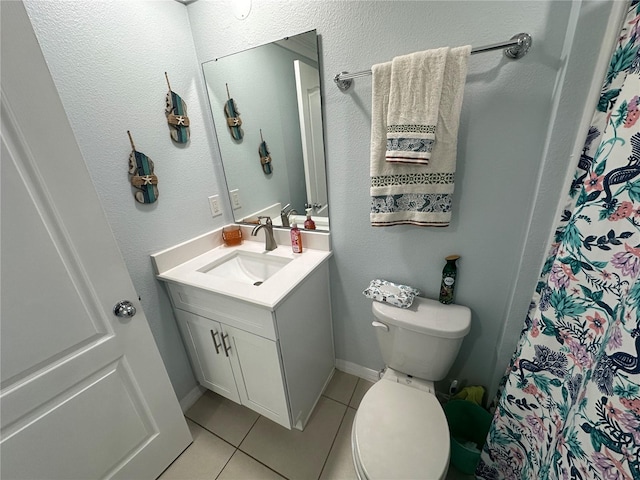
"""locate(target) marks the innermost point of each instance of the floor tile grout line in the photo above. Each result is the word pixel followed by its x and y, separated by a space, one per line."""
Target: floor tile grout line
pixel 333 399
pixel 236 448
pixel 263 464
pixel 339 401
pixel 249 431
pixel 176 459
pixel 354 392
pixel 226 463
pixel 333 442
pixel 212 433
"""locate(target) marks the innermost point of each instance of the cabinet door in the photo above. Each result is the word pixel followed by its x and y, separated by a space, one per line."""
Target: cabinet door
pixel 211 365
pixel 256 363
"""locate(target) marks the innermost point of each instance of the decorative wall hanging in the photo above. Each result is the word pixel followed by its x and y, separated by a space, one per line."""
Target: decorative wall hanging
pixel 176 111
pixel 233 117
pixel 265 157
pixel 143 178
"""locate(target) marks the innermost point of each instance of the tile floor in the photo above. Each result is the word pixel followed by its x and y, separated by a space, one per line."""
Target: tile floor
pixel 233 442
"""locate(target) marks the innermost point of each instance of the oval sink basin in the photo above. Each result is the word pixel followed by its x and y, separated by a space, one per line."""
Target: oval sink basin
pixel 245 267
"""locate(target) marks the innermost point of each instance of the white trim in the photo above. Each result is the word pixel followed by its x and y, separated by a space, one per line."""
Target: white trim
pixel 357 370
pixel 191 398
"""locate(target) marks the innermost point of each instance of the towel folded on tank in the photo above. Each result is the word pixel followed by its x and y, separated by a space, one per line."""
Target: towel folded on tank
pixel 391 293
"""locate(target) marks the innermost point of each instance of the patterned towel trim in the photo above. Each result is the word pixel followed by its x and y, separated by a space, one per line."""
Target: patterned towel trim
pixel 411 129
pixel 416 223
pixel 412 202
pixel 413 179
pixel 409 145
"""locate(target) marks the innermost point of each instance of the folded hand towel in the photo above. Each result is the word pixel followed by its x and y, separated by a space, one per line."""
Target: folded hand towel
pixel 414 101
pixel 416 194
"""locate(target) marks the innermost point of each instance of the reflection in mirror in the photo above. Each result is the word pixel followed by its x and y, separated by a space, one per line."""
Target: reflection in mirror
pixel 276 94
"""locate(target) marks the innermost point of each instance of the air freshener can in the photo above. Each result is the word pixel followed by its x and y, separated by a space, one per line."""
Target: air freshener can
pixel 448 284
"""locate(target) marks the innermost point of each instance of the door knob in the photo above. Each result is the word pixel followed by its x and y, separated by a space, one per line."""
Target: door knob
pixel 124 309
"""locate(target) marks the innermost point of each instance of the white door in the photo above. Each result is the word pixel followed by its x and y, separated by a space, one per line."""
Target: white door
pixel 310 112
pixel 203 338
pixel 84 393
pixel 256 364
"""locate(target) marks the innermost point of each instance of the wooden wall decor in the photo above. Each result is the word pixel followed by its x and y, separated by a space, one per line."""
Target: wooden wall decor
pixel 142 176
pixel 233 117
pixel 265 156
pixel 176 111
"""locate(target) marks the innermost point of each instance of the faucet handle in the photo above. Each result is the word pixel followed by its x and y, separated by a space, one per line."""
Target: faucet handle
pixel 268 221
pixel 284 209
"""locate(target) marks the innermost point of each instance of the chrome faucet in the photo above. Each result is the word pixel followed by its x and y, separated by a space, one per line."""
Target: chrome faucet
pixel 270 242
pixel 285 215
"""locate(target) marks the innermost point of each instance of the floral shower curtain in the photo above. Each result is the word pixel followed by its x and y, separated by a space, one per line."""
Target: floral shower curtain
pixel 570 402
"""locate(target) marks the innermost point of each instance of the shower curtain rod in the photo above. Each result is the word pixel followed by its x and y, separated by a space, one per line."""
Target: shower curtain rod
pixel 515 48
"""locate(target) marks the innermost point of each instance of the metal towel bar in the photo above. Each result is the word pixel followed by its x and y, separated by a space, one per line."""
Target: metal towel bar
pixel 515 48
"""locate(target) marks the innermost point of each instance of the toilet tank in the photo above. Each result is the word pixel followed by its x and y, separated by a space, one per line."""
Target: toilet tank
pixel 423 340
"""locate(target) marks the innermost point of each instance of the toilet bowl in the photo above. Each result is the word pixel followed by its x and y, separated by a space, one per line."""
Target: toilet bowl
pixel 400 431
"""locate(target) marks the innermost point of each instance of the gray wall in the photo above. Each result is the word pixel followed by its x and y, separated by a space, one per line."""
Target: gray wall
pixel 108 61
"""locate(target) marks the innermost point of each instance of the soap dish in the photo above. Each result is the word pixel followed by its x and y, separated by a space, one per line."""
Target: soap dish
pixel 391 293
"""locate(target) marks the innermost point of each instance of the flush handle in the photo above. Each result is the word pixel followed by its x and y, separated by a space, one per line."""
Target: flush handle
pixel 124 309
pixel 380 325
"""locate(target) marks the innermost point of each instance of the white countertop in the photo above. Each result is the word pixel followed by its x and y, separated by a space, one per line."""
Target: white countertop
pixel 180 264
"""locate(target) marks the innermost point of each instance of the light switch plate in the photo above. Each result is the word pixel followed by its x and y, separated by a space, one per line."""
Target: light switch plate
pixel 214 203
pixel 235 199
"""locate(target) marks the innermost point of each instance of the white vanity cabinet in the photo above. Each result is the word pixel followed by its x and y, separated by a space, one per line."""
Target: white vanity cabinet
pixel 274 360
pixel 236 364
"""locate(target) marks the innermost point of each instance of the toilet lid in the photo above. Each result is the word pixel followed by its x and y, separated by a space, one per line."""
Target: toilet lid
pixel 400 432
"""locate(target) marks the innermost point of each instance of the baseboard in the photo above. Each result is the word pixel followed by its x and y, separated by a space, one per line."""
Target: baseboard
pixel 190 398
pixel 347 367
pixel 357 370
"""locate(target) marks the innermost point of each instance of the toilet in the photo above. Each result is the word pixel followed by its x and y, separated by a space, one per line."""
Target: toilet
pixel 400 431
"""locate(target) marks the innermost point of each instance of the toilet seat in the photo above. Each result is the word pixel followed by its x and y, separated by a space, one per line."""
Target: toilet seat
pixel 400 432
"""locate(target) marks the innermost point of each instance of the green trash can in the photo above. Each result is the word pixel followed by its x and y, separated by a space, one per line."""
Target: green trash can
pixel 468 426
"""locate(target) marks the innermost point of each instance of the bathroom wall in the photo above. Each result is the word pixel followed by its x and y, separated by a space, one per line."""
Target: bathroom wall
pixel 503 172
pixel 108 61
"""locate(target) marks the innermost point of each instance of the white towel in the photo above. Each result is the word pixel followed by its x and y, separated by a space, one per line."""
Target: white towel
pixel 414 101
pixel 416 194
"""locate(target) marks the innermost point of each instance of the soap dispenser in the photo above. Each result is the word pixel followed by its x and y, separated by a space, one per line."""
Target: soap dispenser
pixel 309 224
pixel 296 239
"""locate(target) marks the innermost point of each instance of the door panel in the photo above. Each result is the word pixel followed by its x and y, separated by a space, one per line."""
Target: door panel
pixel 262 385
pixel 50 279
pixel 212 369
pixel 108 403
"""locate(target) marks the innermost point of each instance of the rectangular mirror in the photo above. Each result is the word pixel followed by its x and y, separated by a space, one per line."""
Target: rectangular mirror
pixel 271 94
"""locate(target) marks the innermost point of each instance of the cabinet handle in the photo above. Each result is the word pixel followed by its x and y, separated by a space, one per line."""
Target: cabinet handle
pixel 215 342
pixel 226 348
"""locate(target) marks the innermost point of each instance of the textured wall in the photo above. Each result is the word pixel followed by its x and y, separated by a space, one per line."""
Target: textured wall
pixel 108 59
pixel 507 110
